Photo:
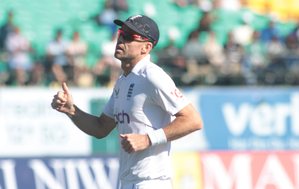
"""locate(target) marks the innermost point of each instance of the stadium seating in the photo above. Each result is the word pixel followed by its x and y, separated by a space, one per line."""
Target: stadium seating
pixel 39 20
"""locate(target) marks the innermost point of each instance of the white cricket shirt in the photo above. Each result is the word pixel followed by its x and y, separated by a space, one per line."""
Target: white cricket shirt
pixel 144 101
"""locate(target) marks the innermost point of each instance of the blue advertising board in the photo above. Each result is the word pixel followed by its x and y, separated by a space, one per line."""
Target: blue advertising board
pixel 93 172
pixel 249 118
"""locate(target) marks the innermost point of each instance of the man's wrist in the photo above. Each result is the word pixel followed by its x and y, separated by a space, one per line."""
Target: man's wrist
pixel 157 137
pixel 72 111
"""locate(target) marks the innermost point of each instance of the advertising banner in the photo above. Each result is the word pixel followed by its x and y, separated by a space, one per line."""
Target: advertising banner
pixel 187 171
pixel 92 172
pixel 250 170
pixel 248 119
pixel 205 170
pixel 234 119
pixel 30 127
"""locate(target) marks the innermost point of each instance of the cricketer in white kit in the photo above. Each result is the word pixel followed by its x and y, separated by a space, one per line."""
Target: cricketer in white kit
pixel 143 102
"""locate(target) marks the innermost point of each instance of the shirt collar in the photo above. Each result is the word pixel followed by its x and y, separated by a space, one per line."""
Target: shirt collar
pixel 141 64
pixel 138 67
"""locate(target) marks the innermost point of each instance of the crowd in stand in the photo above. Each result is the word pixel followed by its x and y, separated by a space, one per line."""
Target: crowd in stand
pixel 63 60
pixel 248 57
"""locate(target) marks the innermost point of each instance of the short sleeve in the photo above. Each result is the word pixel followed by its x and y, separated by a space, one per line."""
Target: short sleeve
pixel 161 89
pixel 108 110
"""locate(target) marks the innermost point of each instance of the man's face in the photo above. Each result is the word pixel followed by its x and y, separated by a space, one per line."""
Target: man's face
pixel 127 50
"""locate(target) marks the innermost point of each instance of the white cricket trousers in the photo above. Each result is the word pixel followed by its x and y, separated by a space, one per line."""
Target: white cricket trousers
pixel 147 184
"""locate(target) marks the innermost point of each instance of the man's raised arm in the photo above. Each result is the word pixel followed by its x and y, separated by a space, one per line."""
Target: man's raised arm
pixel 98 127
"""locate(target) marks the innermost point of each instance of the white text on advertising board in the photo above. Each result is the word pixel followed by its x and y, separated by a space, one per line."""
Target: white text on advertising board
pixel 250 171
pixel 60 173
pixel 269 124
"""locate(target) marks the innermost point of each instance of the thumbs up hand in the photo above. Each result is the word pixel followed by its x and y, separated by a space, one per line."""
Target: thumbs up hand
pixel 63 101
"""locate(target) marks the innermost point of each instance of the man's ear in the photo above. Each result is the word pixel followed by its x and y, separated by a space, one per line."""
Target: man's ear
pixel 146 48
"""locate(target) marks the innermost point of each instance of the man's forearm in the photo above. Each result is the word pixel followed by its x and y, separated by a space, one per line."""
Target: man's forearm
pixel 90 124
pixel 186 122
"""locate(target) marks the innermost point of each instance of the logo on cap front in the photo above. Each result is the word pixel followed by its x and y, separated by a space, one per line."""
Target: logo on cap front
pixel 134 17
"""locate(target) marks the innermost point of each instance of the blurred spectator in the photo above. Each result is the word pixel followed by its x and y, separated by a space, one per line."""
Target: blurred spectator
pixel 291 59
pixel 193 49
pixel 76 51
pixel 107 16
pixel 291 56
pixel 149 9
pixel 108 68
pixel 243 33
pixel 275 49
pixel 234 55
pixel 271 31
pixel 214 50
pixel 292 46
pixel 168 54
pixel 120 5
pixel 204 5
pixel 172 60
pixel 6 29
pixel 20 63
pixel 232 5
pixel 256 53
pixel 275 71
pixel 215 57
pixel 255 59
pixel 37 76
pixel 56 58
pixel 183 3
pixel 204 23
pixel 4 74
pixel 295 33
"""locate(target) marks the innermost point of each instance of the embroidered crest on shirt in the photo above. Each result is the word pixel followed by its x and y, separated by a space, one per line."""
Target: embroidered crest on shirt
pixel 129 95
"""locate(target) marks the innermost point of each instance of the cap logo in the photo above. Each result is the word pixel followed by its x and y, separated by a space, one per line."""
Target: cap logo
pixel 146 28
pixel 134 17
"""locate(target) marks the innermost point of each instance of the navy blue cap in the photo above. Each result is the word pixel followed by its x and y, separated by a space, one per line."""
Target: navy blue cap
pixel 142 25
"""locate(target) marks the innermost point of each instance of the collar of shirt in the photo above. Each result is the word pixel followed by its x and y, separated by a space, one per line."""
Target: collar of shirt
pixel 138 68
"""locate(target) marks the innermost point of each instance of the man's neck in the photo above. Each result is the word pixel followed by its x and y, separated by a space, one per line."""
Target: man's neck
pixel 128 65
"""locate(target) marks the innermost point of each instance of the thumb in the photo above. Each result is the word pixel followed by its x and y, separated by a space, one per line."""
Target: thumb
pixel 122 135
pixel 65 89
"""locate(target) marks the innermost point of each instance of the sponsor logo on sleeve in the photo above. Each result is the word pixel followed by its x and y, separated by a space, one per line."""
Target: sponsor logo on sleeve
pixel 177 93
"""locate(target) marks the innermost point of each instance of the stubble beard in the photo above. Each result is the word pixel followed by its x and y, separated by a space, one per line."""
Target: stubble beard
pixel 124 60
